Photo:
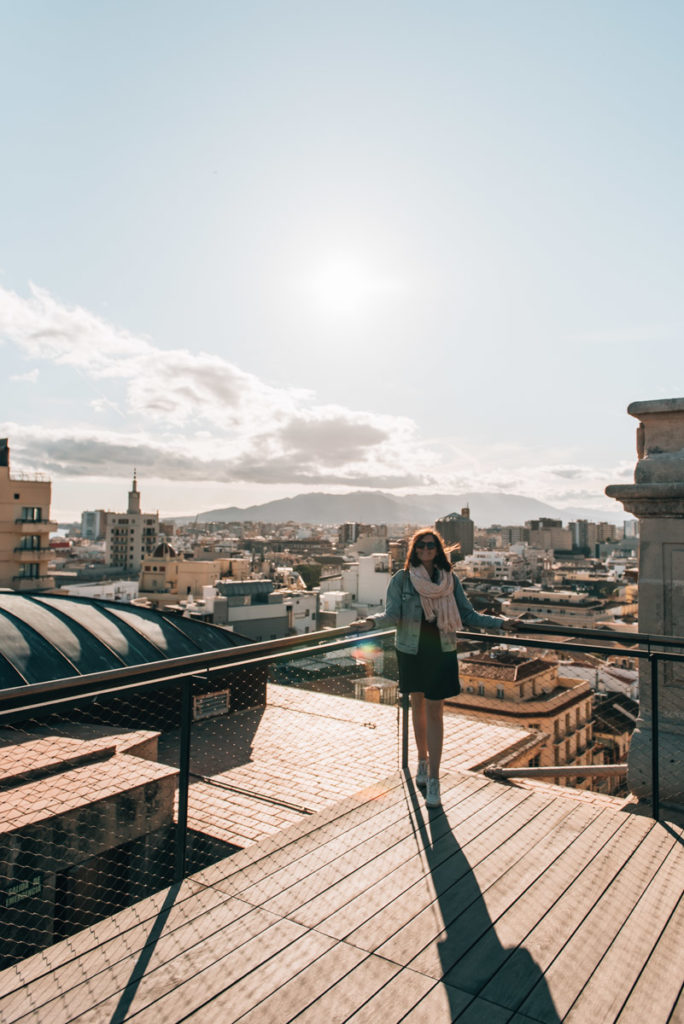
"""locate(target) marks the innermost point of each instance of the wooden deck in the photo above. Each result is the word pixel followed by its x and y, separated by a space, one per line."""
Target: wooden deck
pixel 511 904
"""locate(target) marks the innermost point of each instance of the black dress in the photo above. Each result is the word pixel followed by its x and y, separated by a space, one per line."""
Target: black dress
pixel 431 671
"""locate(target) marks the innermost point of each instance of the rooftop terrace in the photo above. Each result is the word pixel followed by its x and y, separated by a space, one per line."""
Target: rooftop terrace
pixel 351 902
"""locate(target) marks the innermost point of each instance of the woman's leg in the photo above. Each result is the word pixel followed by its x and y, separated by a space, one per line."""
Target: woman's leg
pixel 434 715
pixel 420 731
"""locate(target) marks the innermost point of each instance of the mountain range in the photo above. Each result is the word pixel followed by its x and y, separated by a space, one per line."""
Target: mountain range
pixel 486 509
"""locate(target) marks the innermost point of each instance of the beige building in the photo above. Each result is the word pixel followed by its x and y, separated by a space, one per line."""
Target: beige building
pixel 132 535
pixel 549 534
pixel 567 608
pixel 24 528
pixel 167 578
pixel 518 688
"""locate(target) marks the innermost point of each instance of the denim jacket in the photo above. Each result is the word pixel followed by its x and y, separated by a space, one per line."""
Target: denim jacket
pixel 404 610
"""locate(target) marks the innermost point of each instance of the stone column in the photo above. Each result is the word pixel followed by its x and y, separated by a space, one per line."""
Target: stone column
pixel 657 499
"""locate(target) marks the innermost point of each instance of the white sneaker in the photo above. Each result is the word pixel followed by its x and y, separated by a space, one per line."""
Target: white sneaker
pixel 422 775
pixel 433 797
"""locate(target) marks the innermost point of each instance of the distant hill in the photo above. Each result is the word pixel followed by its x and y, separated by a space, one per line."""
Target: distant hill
pixel 486 509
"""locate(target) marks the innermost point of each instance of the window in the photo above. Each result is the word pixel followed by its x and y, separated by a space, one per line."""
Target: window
pixel 500 692
pixel 481 689
pixel 31 543
pixel 31 514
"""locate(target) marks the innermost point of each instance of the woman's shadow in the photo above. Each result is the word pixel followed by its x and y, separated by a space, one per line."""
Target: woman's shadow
pixel 479 974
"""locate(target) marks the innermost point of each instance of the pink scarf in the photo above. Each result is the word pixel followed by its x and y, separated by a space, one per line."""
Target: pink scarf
pixel 437 599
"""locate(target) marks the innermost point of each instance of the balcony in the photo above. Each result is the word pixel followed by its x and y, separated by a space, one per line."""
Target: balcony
pixel 23 583
pixel 41 526
pixel 321 888
pixel 31 554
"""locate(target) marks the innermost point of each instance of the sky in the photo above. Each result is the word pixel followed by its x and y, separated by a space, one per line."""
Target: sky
pixel 256 249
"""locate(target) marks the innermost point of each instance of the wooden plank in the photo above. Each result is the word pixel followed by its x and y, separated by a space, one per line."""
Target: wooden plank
pixel 350 911
pixel 550 929
pixel 301 862
pixel 176 987
pixel 297 993
pixel 391 1004
pixel 262 860
pixel 188 950
pixel 677 1015
pixel 441 1005
pixel 479 1010
pixel 388 827
pixel 112 928
pixel 415 878
pixel 346 996
pixel 312 827
pixel 569 972
pixel 655 993
pixel 549 870
pixel 460 905
pixel 462 846
pixel 616 973
pixel 301 959
pixel 104 967
pixel 314 898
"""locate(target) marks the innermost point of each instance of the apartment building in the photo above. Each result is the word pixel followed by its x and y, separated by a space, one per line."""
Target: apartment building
pixel 514 686
pixel 94 524
pixel 549 534
pixel 25 528
pixel 458 529
pixel 567 608
pixel 131 536
pixel 167 578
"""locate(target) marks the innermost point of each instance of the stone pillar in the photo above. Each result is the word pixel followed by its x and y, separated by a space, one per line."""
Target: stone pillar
pixel 657 499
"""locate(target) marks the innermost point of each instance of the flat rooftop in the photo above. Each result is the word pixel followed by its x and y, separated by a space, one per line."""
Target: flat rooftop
pixel 509 904
pixel 350 901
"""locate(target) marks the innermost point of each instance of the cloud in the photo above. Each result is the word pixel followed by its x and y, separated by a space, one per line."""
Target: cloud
pixel 197 417
pixel 31 377
pixel 252 431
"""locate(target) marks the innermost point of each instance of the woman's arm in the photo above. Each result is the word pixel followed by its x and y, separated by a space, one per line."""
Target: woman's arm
pixel 469 616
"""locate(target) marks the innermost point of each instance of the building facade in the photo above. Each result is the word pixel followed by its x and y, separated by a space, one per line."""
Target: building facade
pixel 519 688
pixel 25 528
pixel 131 536
pixel 458 529
pixel 94 524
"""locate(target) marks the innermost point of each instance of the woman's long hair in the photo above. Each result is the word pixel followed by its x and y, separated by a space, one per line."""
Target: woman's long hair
pixel 441 560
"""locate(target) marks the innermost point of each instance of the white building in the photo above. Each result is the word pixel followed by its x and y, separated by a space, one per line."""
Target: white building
pixel 367 581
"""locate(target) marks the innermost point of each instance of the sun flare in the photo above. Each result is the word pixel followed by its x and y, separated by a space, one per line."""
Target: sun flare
pixel 344 287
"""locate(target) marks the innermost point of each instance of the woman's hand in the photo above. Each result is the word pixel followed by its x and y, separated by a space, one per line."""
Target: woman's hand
pixel 360 625
pixel 510 625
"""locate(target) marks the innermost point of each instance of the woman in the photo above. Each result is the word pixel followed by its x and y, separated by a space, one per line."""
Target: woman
pixel 427 604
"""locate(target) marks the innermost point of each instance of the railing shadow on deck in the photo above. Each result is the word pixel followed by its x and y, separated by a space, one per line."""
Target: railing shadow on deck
pixel 140 967
pixel 466 919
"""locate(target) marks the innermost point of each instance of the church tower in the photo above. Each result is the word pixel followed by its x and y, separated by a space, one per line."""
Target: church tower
pixel 134 497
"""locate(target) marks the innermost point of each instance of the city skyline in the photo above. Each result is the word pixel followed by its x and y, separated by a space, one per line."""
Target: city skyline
pixel 254 252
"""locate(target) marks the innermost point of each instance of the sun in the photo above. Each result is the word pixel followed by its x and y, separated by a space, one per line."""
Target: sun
pixel 344 287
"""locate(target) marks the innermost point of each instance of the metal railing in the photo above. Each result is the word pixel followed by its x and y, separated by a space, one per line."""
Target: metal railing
pixel 160 698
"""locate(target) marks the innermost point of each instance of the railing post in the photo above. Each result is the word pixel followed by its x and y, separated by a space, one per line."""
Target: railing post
pixel 655 759
pixel 183 778
pixel 404 730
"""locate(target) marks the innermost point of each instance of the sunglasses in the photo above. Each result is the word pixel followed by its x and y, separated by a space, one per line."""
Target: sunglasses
pixel 426 544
